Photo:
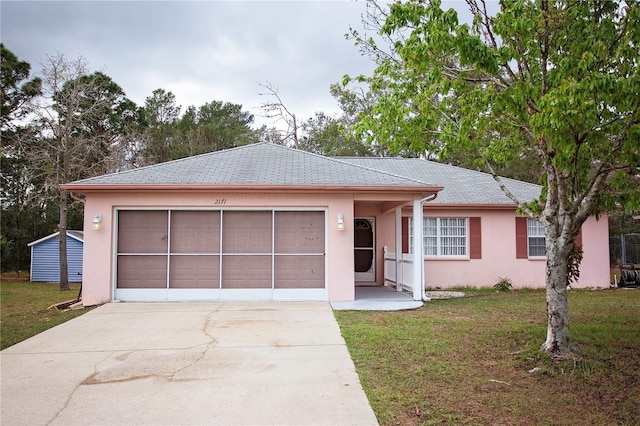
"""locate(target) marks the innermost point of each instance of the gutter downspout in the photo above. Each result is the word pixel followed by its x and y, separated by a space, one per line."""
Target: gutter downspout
pixel 418 248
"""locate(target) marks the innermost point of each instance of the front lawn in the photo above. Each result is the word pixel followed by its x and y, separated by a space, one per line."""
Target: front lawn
pixel 476 360
pixel 23 308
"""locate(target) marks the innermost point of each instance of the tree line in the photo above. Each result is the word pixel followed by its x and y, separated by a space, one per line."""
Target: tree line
pixel 68 123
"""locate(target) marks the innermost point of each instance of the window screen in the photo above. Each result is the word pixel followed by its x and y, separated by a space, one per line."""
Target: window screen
pixel 195 232
pixel 247 232
pixel 299 232
pixel 142 231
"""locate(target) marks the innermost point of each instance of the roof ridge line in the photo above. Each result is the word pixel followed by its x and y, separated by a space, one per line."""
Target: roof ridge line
pixel 326 157
pixel 438 164
pixel 381 171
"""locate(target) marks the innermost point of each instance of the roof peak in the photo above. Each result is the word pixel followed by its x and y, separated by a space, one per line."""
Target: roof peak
pixel 259 164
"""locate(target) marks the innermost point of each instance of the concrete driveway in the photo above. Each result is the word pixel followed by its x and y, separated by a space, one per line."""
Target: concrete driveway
pixel 186 363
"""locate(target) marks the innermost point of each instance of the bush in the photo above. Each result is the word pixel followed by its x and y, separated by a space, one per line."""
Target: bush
pixel 504 284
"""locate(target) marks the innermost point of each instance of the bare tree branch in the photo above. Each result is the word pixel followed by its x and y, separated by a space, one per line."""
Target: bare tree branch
pixel 278 110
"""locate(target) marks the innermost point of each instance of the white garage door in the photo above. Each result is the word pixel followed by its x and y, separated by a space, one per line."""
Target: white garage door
pixel 220 255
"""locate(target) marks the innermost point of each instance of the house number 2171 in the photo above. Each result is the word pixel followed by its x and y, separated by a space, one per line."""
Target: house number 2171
pixel 221 201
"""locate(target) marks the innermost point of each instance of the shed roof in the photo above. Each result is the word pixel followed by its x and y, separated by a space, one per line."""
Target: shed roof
pixel 76 235
pixel 461 186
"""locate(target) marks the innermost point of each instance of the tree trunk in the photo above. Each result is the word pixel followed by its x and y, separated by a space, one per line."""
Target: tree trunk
pixel 557 343
pixel 62 227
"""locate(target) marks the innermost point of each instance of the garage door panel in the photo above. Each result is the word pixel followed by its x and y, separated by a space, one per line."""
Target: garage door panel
pixel 142 231
pixel 299 272
pixel 247 232
pixel 195 232
pixel 246 271
pixel 299 232
pixel 212 254
pixel 194 272
pixel 142 272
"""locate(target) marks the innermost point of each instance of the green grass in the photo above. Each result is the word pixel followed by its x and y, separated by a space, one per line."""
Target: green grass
pixel 457 361
pixel 467 361
pixel 23 308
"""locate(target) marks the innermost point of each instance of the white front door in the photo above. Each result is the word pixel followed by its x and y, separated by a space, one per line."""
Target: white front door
pixel 364 249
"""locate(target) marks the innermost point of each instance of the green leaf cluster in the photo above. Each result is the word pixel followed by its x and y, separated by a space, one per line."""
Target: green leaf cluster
pixel 555 82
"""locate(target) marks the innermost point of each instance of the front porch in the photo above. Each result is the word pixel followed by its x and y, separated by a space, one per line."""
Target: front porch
pixel 378 298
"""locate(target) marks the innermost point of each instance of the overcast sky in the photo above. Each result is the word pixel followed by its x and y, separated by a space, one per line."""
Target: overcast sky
pixel 200 51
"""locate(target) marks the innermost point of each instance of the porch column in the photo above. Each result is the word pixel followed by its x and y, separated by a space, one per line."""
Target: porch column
pixel 399 248
pixel 418 247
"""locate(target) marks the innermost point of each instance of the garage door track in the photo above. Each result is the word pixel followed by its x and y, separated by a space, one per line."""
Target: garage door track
pixel 186 363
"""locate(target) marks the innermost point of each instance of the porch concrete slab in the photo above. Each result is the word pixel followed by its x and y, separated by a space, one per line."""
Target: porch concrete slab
pixel 186 363
pixel 378 298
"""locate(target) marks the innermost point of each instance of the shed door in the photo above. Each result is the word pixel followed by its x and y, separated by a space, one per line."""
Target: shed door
pixel 220 254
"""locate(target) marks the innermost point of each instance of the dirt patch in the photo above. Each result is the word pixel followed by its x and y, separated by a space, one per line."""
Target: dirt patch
pixel 441 294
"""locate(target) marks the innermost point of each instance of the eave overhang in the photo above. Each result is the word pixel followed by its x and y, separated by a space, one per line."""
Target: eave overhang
pixel 155 188
pixel 471 206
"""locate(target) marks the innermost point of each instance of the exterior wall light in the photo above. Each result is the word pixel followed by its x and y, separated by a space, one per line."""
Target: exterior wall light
pixel 340 222
pixel 97 219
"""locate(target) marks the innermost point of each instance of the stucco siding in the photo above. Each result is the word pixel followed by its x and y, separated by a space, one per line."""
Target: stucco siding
pixel 99 253
pixel 499 256
pixel 498 248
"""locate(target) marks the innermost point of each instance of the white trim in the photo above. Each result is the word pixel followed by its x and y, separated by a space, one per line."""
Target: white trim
pixel 193 294
pixel 438 236
pixel 535 223
pixel 398 261
pixel 239 294
pixel 55 234
pixel 300 294
pixel 168 266
pixel 229 294
pixel 418 252
pixel 141 295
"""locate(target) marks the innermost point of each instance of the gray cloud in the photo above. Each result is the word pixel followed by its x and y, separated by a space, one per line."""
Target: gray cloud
pixel 200 51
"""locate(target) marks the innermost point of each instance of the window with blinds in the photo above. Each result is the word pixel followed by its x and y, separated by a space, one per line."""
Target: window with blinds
pixel 442 236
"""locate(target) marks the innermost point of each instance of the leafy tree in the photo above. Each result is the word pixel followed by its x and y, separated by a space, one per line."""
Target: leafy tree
pixel 75 117
pixel 355 103
pixel 328 136
pixel 17 91
pixel 112 123
pixel 214 126
pixel 160 114
pixel 558 81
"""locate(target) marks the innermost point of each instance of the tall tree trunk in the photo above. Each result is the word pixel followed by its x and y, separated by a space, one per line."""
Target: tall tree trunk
pixel 559 246
pixel 62 227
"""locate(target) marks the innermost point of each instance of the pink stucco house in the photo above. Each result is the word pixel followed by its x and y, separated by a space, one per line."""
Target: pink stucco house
pixel 266 222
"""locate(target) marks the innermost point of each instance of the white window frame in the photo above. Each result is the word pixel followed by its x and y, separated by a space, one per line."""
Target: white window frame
pixel 535 233
pixel 434 236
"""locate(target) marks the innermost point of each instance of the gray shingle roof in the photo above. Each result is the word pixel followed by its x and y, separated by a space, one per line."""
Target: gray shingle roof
pixel 461 186
pixel 257 164
pixel 265 164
